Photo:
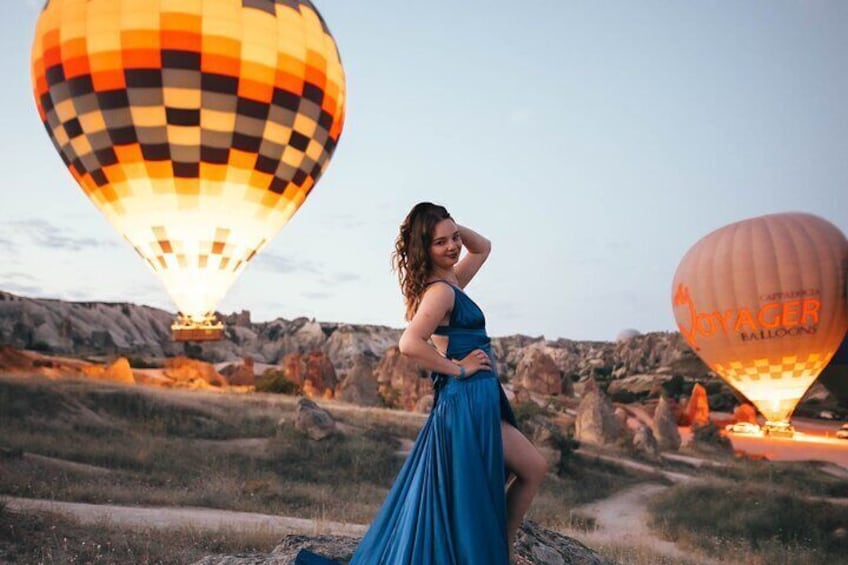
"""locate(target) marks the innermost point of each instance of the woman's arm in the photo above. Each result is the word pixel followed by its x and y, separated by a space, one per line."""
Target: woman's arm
pixel 435 304
pixel 478 248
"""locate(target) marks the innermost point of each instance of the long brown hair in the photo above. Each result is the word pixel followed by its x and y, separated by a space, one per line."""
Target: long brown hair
pixel 411 258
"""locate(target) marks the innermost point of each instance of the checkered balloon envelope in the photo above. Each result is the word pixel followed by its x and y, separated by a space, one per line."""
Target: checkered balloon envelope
pixel 763 303
pixel 197 127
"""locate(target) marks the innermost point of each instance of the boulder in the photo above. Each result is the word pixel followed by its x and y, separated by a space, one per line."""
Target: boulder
pixel 645 443
pixel 664 426
pixel 534 545
pixel 596 422
pixel 360 385
pixel 120 371
pixel 538 373
pixel 313 420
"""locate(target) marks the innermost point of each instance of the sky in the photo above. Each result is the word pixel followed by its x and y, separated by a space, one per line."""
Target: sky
pixel 592 142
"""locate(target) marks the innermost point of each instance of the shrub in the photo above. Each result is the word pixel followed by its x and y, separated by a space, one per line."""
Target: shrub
pixel 525 411
pixel 708 434
pixel 274 380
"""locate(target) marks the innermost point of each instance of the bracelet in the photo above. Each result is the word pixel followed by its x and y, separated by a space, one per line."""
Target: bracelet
pixel 461 371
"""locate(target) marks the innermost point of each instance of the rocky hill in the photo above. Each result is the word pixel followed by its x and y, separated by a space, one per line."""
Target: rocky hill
pixel 142 333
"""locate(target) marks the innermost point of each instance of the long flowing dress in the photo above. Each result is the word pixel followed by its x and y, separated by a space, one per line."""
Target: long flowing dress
pixel 448 504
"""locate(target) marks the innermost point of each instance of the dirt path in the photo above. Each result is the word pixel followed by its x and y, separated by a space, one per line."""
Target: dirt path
pixel 182 517
pixel 623 519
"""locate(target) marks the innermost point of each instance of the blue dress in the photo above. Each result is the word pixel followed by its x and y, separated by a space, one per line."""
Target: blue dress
pixel 448 504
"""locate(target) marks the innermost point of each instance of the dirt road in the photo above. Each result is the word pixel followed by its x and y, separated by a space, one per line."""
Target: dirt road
pixel 172 518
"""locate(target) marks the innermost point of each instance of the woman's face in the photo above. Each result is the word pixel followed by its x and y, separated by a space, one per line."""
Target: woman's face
pixel 445 245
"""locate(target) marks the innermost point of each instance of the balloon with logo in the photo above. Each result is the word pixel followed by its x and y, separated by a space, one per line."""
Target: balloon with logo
pixel 834 377
pixel 763 302
pixel 197 127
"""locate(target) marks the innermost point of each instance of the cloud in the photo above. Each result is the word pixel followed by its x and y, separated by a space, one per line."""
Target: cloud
pixel 278 264
pixel 45 234
pixel 20 283
pixel 316 295
pixel 344 277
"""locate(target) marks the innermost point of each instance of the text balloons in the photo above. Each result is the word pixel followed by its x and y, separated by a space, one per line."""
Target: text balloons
pixel 763 302
pixel 197 127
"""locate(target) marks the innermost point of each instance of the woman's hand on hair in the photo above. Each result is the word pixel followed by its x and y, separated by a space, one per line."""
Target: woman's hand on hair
pixel 477 360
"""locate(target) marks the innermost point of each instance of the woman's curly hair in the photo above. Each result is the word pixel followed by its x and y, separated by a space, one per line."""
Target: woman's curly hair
pixel 411 258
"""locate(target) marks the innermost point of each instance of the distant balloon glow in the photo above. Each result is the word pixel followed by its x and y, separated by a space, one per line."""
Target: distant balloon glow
pixel 197 127
pixel 763 302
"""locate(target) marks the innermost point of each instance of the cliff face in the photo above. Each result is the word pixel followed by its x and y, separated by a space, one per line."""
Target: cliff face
pixel 110 329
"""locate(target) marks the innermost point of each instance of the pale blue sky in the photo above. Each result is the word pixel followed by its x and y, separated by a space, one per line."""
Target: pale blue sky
pixel 592 142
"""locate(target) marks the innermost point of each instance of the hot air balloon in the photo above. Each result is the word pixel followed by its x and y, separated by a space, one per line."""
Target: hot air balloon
pixel 763 302
pixel 834 377
pixel 197 127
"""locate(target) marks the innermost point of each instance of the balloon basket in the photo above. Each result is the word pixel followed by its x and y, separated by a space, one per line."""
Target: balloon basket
pixel 207 330
pixel 778 429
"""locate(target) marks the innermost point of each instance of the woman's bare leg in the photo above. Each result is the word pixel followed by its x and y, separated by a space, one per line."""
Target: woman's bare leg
pixel 529 468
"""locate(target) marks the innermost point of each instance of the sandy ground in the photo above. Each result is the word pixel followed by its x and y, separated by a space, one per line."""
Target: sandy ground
pixel 171 518
pixel 623 518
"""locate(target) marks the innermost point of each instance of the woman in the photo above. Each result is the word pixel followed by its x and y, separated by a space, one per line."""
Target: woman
pixel 448 504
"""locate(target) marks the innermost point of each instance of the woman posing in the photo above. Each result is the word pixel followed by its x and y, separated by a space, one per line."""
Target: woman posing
pixel 448 505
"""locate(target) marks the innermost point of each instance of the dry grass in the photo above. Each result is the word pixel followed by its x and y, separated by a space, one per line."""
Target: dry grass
pixel 766 524
pixel 54 539
pixel 140 446
pixel 640 555
pixel 177 449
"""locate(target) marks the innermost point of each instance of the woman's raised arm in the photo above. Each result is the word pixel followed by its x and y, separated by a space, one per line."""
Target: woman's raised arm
pixel 477 248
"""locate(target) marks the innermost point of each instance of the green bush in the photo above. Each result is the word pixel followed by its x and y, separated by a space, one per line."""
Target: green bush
pixel 708 434
pixel 142 363
pixel 274 380
pixel 525 411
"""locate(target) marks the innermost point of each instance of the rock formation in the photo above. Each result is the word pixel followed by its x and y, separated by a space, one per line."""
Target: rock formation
pixel 241 374
pixel 698 408
pixel 596 421
pixel 401 381
pixel 664 426
pixel 745 413
pixel 645 443
pixel 360 385
pixel 120 371
pixel 313 371
pixel 538 373
pixel 534 545
pixel 190 373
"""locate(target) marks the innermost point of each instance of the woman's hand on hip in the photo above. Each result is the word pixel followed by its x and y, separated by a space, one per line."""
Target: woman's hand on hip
pixel 477 360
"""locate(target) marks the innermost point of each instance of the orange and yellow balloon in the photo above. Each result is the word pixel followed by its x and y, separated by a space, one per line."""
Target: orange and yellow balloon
pixel 763 302
pixel 197 127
